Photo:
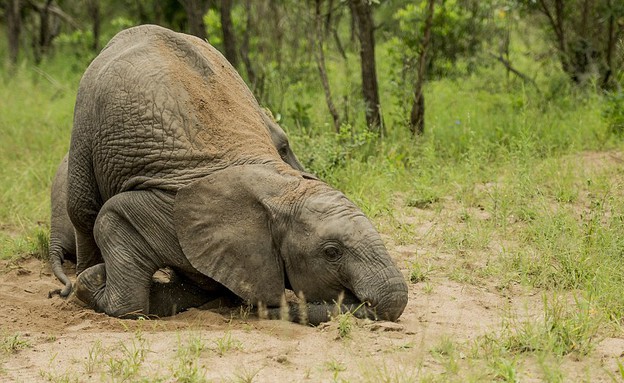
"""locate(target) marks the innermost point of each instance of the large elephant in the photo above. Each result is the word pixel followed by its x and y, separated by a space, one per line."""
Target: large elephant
pixel 62 238
pixel 171 165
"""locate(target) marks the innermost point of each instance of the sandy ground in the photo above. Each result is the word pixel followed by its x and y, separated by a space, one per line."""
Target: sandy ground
pixel 58 340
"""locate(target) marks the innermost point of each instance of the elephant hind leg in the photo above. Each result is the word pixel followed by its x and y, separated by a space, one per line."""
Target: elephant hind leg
pixel 130 231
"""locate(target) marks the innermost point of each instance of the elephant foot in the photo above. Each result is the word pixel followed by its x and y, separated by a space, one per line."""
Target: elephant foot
pixel 90 285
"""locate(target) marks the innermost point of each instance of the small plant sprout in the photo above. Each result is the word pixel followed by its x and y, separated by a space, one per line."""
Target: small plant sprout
pixel 226 343
pixel 418 272
pixel 13 343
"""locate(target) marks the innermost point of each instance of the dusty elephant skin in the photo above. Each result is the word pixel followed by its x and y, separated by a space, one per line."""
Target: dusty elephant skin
pixel 171 165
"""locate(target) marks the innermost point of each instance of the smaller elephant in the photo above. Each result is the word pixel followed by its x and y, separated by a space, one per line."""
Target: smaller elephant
pixel 63 239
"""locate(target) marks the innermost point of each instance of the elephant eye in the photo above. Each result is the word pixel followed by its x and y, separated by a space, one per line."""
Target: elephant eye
pixel 332 252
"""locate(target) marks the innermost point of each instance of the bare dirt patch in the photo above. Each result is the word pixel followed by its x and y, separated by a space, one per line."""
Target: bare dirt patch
pixel 63 340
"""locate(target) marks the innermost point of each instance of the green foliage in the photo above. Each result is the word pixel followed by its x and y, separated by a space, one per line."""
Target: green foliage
pixel 336 151
pixel 35 120
pixel 563 329
pixel 584 35
pixel 188 369
pixel 11 344
pixel 613 112
pixel 453 21
pixel 226 343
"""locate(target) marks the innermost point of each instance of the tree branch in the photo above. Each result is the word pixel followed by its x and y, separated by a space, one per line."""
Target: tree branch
pixel 56 11
pixel 515 71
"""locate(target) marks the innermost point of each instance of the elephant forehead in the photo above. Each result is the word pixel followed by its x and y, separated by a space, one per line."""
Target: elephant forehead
pixel 335 218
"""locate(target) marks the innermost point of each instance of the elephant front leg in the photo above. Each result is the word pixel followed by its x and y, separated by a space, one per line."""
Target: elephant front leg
pixel 128 230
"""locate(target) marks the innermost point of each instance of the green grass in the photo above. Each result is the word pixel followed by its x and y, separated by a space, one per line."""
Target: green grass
pixel 226 343
pixel 35 121
pixel 188 368
pixel 11 344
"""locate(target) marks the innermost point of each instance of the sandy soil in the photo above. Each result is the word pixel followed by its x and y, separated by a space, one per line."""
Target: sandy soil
pixel 60 341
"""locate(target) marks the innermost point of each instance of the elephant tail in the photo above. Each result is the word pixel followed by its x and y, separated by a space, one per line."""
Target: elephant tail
pixel 56 262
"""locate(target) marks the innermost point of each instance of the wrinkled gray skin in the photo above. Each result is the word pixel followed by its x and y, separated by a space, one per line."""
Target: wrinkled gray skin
pixel 62 237
pixel 171 165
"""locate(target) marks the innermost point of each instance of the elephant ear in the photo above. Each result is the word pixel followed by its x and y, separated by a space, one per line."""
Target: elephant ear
pixel 223 227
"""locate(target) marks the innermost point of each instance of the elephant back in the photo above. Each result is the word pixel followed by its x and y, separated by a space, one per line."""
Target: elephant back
pixel 159 109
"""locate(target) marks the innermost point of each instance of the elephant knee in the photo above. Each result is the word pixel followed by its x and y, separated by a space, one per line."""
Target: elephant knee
pixel 107 222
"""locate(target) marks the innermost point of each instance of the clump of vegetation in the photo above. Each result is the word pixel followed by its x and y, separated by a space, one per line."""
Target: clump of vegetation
pixel 418 272
pixel 226 344
pixel 345 325
pixel 613 112
pixel 188 368
pixel 11 344
pixel 563 329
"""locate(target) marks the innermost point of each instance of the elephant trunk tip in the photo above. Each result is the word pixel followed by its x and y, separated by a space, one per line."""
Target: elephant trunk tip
pixel 389 305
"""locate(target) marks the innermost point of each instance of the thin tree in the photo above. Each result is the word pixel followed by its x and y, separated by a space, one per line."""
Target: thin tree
pixel 417 116
pixel 14 27
pixel 244 49
pixel 227 27
pixel 320 63
pixel 362 13
pixel 93 8
pixel 195 11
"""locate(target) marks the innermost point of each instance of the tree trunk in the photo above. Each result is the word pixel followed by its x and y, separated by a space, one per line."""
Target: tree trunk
pixel 320 63
pixel 227 27
pixel 42 43
pixel 93 8
pixel 417 116
pixel 556 23
pixel 195 11
pixel 611 43
pixel 244 50
pixel 14 27
pixel 363 17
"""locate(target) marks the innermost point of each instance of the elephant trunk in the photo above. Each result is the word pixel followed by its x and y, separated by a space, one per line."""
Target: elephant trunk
pixel 384 292
pixel 381 295
pixel 316 313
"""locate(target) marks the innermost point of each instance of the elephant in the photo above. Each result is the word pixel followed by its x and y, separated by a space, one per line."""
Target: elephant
pixel 171 165
pixel 62 238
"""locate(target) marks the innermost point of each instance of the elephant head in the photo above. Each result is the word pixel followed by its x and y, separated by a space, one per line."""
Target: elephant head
pixel 257 230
